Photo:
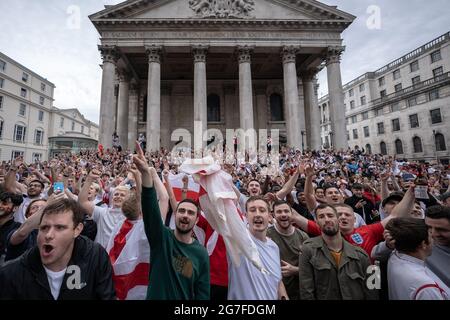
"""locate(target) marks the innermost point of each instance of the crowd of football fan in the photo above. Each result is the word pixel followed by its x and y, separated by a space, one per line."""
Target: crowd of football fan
pixel 111 224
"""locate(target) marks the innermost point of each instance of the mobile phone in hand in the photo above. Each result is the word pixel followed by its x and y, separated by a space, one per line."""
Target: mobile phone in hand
pixel 58 187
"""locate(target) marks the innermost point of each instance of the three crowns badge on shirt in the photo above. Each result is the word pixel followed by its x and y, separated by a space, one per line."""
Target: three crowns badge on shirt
pixel 356 237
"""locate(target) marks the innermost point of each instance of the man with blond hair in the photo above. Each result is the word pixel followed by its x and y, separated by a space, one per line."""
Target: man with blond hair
pixel 106 218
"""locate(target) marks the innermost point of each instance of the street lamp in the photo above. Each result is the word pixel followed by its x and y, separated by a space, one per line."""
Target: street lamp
pixel 303 143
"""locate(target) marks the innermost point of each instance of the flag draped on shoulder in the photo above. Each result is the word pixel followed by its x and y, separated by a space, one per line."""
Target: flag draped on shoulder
pixel 218 201
pixel 129 252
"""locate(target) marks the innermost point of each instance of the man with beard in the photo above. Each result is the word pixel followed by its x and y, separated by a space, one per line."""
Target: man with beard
pixel 63 265
pixel 330 267
pixel 289 240
pixel 179 263
pixel 246 282
pixel 8 203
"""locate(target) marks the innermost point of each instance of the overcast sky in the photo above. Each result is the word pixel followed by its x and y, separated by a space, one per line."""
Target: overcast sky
pixel 44 36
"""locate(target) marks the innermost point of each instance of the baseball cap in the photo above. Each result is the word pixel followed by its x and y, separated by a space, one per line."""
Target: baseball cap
pixel 397 196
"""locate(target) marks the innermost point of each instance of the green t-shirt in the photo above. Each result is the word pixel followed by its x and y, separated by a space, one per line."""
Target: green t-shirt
pixel 289 251
pixel 178 271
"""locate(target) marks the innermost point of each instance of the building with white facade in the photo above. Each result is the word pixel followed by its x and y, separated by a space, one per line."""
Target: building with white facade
pixel 402 108
pixel 26 99
pixel 70 131
pixel 28 120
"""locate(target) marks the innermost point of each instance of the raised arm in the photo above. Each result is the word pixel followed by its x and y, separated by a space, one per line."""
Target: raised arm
pixel 83 200
pixel 32 222
pixel 163 196
pixel 288 186
pixel 299 220
pixel 310 198
pixel 384 188
pixel 404 207
pixel 150 209
pixel 11 184
pixel 168 186
pixel 26 228
pixel 41 176
pixel 395 183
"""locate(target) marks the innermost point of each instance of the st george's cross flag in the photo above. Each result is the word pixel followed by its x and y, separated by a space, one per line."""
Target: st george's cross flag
pixel 129 252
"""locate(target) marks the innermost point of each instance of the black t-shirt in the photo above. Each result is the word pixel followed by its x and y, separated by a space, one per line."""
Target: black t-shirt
pixel 5 231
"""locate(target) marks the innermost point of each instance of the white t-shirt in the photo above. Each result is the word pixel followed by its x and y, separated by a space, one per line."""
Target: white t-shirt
pixel 246 282
pixel 19 215
pixel 106 219
pixel 55 280
pixel 410 279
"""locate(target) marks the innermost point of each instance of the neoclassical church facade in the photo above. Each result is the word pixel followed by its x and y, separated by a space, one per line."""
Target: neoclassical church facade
pixel 226 64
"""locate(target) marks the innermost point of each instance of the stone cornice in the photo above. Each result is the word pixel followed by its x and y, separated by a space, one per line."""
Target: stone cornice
pixel 221 22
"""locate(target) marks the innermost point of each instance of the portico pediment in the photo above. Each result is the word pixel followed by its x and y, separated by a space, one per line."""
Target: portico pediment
pixel 301 10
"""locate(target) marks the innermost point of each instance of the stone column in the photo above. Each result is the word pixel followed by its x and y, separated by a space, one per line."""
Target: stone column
pixel 133 115
pixel 154 97
pixel 166 114
pixel 200 92
pixel 245 89
pixel 312 114
pixel 122 110
pixel 291 97
pixel 107 101
pixel 301 113
pixel 336 98
pixel 316 131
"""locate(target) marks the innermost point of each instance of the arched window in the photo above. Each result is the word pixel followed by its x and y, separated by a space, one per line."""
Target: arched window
pixel 439 139
pixel 398 146
pixel 417 143
pixel 383 148
pixel 276 107
pixel 213 102
pixel 368 149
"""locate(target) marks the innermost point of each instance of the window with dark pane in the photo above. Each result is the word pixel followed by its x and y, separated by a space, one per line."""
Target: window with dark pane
pixel 276 107
pixel 213 103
